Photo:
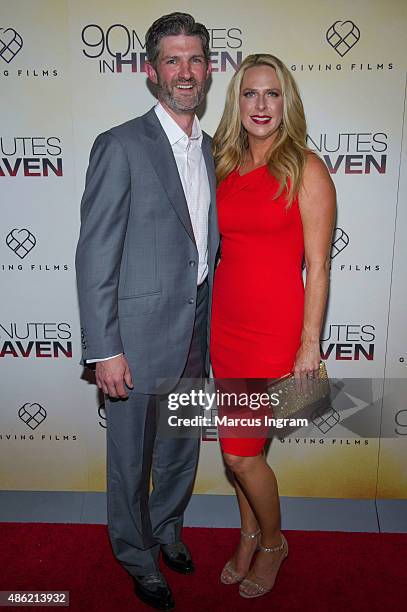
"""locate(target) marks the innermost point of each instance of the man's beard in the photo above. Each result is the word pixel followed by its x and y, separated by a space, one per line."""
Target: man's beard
pixel 181 104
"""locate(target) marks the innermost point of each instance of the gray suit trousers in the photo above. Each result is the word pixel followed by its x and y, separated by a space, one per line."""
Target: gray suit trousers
pixel 138 521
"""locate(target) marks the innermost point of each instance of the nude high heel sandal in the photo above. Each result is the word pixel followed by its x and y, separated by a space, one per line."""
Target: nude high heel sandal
pixel 229 574
pixel 250 589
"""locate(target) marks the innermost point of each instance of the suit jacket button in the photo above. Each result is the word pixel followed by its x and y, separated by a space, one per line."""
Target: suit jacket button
pixel 192 263
pixel 191 301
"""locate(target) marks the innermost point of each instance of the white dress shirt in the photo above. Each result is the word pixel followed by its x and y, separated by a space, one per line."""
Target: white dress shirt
pixel 195 183
pixel 194 178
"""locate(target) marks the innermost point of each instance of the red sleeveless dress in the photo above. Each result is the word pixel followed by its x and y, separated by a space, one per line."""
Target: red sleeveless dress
pixel 258 296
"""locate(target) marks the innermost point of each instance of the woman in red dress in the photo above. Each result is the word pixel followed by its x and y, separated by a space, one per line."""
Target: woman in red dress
pixel 276 205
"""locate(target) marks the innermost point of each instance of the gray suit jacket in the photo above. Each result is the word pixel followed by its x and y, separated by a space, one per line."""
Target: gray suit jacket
pixel 136 260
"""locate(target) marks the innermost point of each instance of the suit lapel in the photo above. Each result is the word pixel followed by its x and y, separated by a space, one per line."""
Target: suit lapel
pixel 162 158
pixel 210 167
pixel 213 232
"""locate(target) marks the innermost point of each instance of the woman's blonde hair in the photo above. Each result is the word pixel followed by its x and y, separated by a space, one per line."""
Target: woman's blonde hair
pixel 287 156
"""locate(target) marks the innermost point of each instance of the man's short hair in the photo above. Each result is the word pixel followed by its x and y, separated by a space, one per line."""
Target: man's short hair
pixel 174 24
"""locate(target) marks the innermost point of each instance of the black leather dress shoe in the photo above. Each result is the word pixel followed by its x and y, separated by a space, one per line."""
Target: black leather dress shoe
pixel 178 558
pixel 154 591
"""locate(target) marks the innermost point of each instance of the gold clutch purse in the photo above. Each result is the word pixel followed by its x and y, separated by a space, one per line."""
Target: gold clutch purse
pixel 294 395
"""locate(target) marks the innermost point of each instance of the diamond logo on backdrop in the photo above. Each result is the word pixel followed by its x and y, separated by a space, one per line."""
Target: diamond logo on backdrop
pixel 10 44
pixel 32 415
pixel 21 242
pixel 325 419
pixel 339 242
pixel 342 36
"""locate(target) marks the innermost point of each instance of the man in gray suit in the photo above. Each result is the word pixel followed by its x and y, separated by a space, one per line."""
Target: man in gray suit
pixel 145 263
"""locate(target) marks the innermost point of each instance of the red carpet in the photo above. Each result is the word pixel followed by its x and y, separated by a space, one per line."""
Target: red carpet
pixel 327 571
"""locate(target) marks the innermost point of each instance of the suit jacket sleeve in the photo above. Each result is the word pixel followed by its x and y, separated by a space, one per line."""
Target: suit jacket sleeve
pixel 104 215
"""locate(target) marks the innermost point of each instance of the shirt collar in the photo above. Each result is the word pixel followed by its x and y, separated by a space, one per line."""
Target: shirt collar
pixel 173 131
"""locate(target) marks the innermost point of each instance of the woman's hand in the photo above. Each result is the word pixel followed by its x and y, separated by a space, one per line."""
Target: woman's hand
pixel 307 360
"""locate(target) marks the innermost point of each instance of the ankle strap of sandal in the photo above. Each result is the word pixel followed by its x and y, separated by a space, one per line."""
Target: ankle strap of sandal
pixel 274 548
pixel 250 536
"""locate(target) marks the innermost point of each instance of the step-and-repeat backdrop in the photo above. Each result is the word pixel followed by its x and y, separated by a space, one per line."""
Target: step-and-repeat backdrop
pixel 71 69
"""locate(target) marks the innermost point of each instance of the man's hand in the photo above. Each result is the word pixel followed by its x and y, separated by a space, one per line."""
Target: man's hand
pixel 112 375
